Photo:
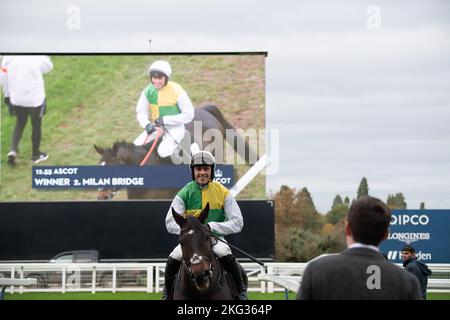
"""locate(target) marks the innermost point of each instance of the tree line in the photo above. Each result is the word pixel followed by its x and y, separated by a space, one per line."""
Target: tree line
pixel 302 233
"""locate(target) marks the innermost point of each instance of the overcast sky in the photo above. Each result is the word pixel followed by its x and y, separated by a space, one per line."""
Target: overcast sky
pixel 356 88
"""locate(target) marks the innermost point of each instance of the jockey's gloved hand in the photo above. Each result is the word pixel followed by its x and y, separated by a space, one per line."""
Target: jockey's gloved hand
pixel 159 122
pixel 150 127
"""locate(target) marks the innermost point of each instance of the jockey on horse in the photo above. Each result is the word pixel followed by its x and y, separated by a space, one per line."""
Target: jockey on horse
pixel 169 107
pixel 224 218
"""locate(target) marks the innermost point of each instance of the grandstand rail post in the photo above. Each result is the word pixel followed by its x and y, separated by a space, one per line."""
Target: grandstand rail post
pixel 93 278
pixel 114 279
pixel 63 279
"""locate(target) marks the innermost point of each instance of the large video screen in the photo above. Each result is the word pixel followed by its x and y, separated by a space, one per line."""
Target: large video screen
pixel 93 125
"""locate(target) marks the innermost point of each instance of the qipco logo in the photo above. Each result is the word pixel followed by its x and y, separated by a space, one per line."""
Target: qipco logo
pixel 415 219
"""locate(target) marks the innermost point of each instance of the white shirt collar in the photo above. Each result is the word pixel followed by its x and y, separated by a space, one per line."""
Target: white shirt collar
pixel 362 245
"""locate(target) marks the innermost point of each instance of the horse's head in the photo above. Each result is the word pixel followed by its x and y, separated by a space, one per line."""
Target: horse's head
pixel 108 156
pixel 120 154
pixel 195 241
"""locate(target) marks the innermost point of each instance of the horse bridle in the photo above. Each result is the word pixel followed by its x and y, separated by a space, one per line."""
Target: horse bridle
pixel 196 259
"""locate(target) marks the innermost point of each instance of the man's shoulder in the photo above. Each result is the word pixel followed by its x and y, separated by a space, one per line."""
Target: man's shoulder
pixel 409 264
pixel 369 257
pixel 356 264
pixel 187 190
pixel 352 257
pixel 219 187
pixel 325 261
pixel 188 186
pixel 324 267
pixel 175 86
pixel 412 266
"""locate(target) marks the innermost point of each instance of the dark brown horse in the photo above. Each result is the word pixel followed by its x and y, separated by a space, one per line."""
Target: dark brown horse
pixel 201 275
pixel 123 153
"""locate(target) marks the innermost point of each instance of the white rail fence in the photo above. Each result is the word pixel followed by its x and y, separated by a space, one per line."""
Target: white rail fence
pixel 149 277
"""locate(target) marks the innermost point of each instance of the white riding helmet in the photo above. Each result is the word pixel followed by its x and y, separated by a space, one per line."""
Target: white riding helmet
pixel 161 66
pixel 202 158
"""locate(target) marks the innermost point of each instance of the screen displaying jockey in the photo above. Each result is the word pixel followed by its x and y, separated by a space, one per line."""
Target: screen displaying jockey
pixel 224 218
pixel 165 104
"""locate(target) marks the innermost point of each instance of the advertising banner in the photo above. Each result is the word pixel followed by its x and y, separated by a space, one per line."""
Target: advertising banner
pixel 426 230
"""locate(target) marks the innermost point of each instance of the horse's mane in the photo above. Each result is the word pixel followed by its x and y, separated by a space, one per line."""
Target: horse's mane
pixel 128 146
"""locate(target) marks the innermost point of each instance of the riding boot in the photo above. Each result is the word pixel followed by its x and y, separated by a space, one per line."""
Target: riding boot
pixel 232 266
pixel 170 274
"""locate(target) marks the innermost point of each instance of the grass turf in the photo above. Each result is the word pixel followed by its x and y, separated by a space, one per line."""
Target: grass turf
pixel 152 296
pixel 121 296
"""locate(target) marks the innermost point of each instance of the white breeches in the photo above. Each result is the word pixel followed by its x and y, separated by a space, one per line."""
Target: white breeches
pixel 220 249
pixel 167 145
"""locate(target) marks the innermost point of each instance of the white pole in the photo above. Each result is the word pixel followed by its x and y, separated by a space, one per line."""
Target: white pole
pixel 250 175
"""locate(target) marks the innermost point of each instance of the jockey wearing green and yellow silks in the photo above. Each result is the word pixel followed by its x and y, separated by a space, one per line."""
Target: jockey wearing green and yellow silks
pixel 224 218
pixel 163 103
pixel 224 214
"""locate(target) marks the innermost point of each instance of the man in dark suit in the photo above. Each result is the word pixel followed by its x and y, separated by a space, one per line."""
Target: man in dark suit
pixel 360 271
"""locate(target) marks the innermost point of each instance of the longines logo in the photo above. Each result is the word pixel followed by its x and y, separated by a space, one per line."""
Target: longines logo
pixel 409 237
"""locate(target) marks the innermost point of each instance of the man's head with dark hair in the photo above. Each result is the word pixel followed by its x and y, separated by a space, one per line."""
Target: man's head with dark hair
pixel 409 248
pixel 408 252
pixel 368 221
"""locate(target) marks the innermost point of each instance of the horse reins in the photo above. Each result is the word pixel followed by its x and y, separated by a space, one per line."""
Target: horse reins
pixel 241 251
pixel 158 134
